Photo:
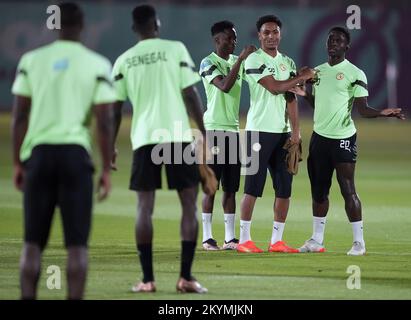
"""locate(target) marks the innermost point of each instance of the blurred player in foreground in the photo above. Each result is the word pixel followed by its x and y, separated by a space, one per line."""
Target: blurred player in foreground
pixel 56 89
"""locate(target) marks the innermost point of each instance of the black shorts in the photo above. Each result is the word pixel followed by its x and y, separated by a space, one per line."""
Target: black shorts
pixel 58 175
pixel 225 162
pixel 148 161
pixel 324 154
pixel 269 154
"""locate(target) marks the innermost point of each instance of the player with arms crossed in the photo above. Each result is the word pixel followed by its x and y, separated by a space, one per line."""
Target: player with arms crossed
pixel 340 86
pixel 222 75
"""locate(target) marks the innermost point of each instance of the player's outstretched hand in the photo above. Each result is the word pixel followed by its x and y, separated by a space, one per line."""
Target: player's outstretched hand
pixel 299 90
pixel 113 160
pixel 18 176
pixel 393 112
pixel 246 52
pixel 307 73
pixel 104 186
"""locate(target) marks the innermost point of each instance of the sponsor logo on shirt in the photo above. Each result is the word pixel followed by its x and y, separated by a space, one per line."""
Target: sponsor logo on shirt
pixel 283 67
pixel 61 64
pixel 340 76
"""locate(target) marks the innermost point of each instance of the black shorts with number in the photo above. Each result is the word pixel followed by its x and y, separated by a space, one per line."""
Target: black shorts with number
pixel 148 161
pixel 58 175
pixel 269 154
pixel 225 160
pixel 324 154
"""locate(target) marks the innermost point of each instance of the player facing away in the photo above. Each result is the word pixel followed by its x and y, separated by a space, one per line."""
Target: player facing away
pixel 340 86
pixel 222 75
pixel 57 89
pixel 158 77
pixel 273 116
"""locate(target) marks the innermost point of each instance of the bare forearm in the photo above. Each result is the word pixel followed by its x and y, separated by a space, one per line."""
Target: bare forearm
pixel 228 82
pixel 277 87
pixel 292 109
pixel 105 134
pixel 19 126
pixel 19 129
pixel 194 107
pixel 368 112
pixel 117 114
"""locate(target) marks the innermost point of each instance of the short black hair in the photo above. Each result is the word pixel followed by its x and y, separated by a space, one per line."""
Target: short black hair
pixel 268 18
pixel 343 30
pixel 71 14
pixel 142 14
pixel 221 26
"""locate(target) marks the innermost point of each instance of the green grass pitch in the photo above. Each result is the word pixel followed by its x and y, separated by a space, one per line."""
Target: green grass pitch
pixel 383 181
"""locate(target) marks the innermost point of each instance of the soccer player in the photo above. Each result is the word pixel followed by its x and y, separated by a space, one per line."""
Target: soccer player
pixel 222 75
pixel 57 89
pixel 272 116
pixel 158 77
pixel 339 87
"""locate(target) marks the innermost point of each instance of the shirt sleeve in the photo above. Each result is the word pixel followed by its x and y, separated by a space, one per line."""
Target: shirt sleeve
pixel 208 70
pixel 119 81
pixel 21 85
pixel 255 68
pixel 360 85
pixel 188 73
pixel 104 92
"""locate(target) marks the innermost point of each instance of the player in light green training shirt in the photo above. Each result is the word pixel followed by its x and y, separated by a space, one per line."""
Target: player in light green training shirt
pixel 272 120
pixel 57 89
pixel 340 86
pixel 158 77
pixel 222 75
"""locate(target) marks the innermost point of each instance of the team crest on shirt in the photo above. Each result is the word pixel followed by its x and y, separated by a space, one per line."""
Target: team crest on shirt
pixel 340 76
pixel 283 67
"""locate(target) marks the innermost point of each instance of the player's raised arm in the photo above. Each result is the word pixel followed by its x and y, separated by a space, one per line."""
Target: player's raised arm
pixel 20 120
pixel 226 83
pixel 366 111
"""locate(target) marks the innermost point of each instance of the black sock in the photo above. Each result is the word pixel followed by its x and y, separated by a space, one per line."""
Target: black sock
pixel 146 259
pixel 187 256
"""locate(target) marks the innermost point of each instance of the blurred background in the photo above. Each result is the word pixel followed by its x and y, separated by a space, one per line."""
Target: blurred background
pixel 382 47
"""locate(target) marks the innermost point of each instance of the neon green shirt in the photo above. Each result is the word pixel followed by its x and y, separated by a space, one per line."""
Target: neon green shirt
pixel 334 95
pixel 222 108
pixel 64 80
pixel 267 111
pixel 152 75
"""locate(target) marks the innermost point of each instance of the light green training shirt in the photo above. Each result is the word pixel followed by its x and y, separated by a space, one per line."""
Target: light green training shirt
pixel 267 111
pixel 222 108
pixel 334 94
pixel 64 80
pixel 152 75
